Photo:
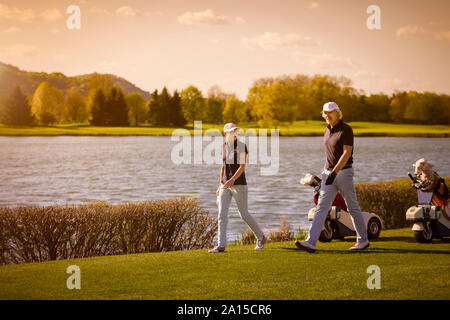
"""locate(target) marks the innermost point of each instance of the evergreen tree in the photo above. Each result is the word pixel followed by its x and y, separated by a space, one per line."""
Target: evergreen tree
pixel 154 108
pixel 116 108
pixel 17 109
pixel 164 102
pixel 97 105
pixel 176 111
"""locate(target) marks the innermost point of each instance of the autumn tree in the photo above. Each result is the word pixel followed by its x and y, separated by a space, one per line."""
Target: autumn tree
pixel 75 107
pixel 234 111
pixel 47 104
pixel 193 104
pixel 137 108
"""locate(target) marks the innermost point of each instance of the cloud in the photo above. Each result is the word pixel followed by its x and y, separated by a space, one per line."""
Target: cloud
pixel 207 17
pixel 107 64
pixel 314 5
pixel 419 30
pixel 409 30
pixel 393 84
pixel 239 20
pixel 127 12
pixel 372 82
pixel 272 40
pixel 12 30
pixel 52 15
pixel 19 50
pixel 97 10
pixel 28 15
pixel 15 14
pixel 323 61
pixel 442 35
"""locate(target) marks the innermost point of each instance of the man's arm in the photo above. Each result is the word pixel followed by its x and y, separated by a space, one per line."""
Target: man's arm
pixel 346 154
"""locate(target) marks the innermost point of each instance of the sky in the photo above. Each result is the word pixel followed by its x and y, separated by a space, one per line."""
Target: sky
pixel 231 43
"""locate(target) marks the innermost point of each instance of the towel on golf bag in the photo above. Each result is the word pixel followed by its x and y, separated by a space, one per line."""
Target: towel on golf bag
pixel 441 197
pixel 338 201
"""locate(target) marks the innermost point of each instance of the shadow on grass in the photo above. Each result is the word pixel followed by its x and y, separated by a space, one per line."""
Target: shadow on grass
pixel 352 240
pixel 373 250
pixel 395 238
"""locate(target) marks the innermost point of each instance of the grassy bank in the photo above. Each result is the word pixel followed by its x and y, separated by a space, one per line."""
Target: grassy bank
pixel 409 270
pixel 298 128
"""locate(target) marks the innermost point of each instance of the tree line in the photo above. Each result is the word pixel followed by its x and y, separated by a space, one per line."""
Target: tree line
pixel 270 101
pixel 300 97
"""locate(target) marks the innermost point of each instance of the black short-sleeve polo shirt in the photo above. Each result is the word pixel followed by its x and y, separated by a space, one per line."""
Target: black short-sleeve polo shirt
pixel 334 140
pixel 231 158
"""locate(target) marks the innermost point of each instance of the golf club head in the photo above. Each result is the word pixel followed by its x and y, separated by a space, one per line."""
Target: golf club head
pixel 310 180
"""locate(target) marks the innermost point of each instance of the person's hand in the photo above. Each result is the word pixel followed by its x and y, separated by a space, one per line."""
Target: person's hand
pixel 229 183
pixel 331 178
pixel 218 190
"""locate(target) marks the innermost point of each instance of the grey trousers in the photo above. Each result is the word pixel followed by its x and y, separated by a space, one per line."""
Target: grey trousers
pixel 343 183
pixel 240 195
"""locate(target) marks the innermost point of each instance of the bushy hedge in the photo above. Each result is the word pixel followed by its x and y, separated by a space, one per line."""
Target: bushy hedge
pixel 29 234
pixel 389 200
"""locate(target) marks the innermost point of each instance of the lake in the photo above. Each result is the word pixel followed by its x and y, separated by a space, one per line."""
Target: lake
pixel 69 169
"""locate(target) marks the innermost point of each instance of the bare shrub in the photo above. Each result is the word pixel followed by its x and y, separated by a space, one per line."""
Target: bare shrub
pixel 29 234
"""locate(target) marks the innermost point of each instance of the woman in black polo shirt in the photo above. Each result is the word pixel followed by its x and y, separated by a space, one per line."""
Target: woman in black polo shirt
pixel 232 184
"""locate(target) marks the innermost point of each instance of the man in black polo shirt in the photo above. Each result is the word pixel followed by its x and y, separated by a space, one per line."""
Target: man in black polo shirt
pixel 336 177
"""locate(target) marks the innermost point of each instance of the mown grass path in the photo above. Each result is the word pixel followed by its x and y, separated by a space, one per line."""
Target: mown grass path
pixel 409 270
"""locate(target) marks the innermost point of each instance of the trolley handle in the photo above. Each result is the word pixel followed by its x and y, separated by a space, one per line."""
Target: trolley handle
pixel 412 177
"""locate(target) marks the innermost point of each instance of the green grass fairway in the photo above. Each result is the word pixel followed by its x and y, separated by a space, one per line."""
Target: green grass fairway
pixel 409 270
pixel 297 128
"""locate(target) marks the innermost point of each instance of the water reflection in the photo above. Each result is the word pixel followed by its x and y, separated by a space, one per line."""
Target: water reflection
pixel 58 170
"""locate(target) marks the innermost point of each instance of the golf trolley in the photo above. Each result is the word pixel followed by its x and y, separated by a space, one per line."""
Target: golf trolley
pixel 431 217
pixel 338 223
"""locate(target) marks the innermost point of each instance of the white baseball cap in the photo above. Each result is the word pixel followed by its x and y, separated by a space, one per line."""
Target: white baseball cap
pixel 229 127
pixel 330 106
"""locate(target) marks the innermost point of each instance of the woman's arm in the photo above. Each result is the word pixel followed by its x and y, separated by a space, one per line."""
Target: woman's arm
pixel 220 178
pixel 241 169
pixel 238 172
pixel 221 173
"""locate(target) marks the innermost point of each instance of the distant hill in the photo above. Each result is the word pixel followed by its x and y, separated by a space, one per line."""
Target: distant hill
pixel 11 76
